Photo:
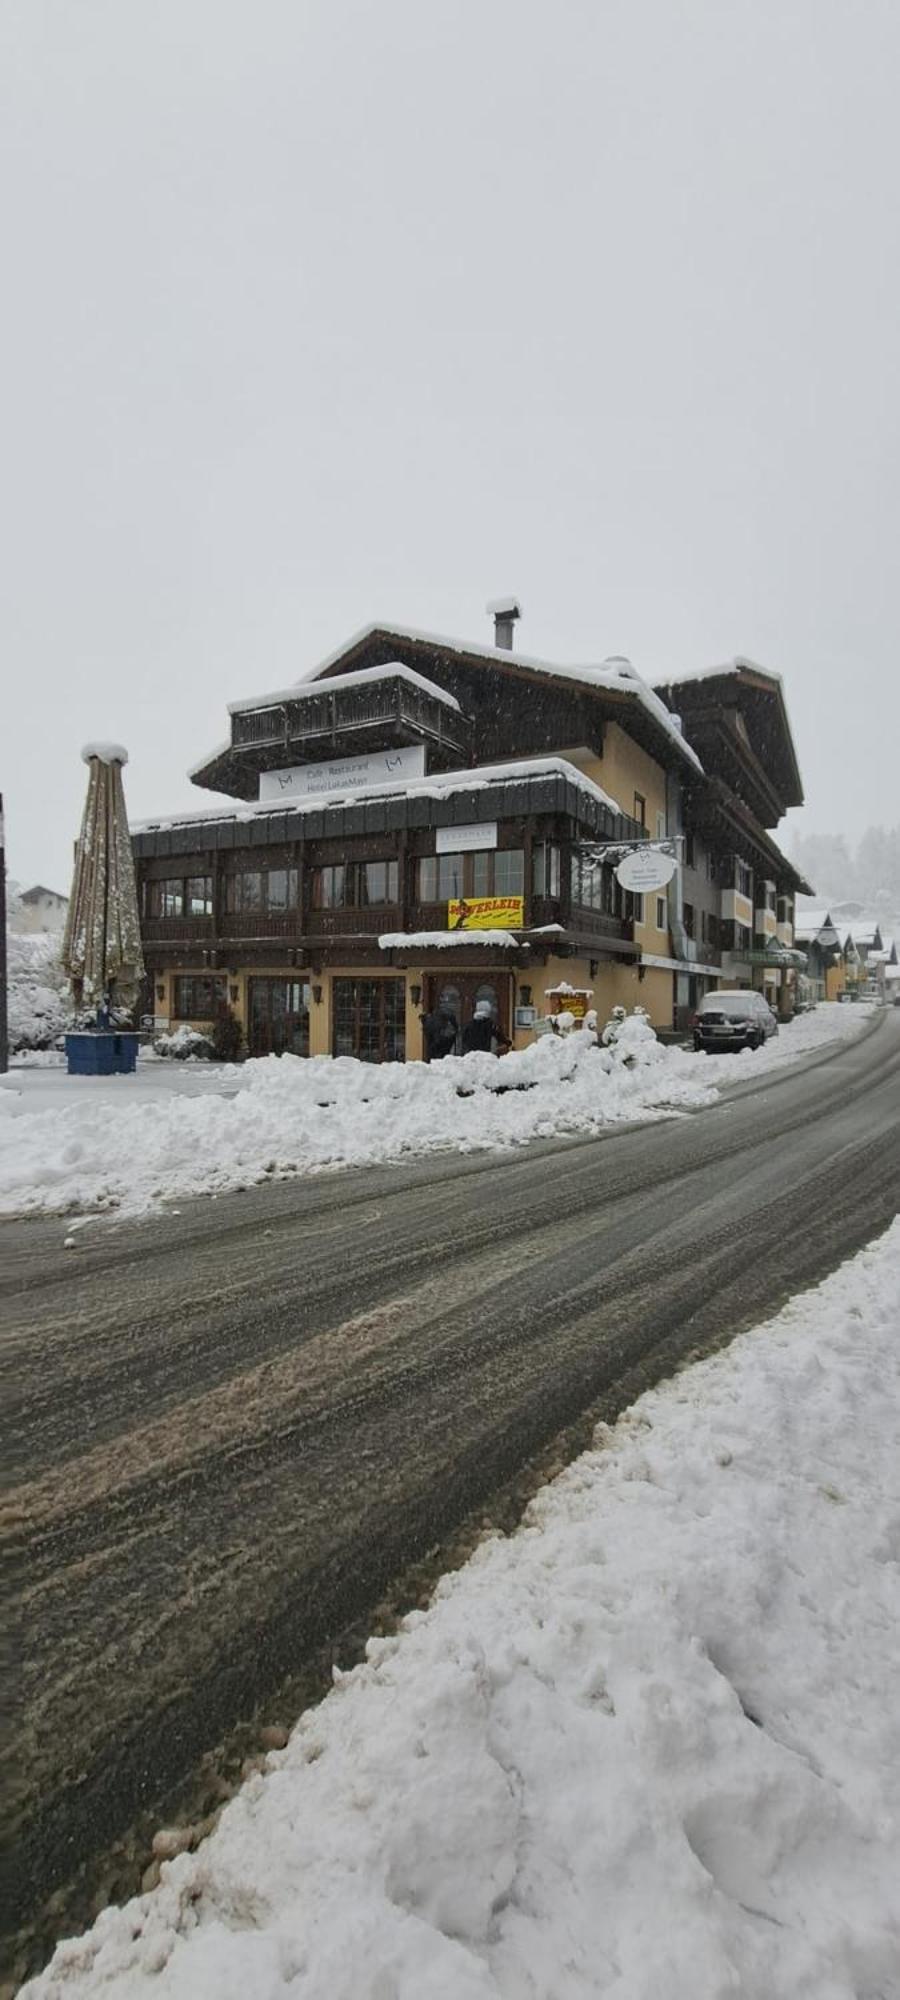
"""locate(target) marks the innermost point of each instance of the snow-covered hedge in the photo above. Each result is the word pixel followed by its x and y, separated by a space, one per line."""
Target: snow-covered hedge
pixel 184 1043
pixel 38 995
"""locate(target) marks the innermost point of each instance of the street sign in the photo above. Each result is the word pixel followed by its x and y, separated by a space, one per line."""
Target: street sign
pixel 645 868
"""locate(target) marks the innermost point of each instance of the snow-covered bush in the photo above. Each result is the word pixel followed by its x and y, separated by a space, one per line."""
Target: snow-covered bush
pixel 184 1044
pixel 39 1002
pixel 631 1039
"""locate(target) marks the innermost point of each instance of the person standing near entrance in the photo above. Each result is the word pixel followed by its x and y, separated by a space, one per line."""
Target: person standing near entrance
pixel 482 1032
pixel 440 1033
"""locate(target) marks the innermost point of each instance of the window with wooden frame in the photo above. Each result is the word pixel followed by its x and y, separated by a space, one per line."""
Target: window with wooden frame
pixel 252 891
pixel 165 898
pixel 545 870
pixel 640 808
pixel 594 886
pixel 197 997
pixel 355 885
pixel 497 871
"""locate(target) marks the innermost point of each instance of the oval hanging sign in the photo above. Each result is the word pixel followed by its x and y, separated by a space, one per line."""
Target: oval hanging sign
pixel 644 869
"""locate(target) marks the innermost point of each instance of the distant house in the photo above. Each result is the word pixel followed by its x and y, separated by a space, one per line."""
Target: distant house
pixel 39 909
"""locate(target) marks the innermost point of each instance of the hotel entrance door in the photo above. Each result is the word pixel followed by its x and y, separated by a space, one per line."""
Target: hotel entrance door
pixel 459 992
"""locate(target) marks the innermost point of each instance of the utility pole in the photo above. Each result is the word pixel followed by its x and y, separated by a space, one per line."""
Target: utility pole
pixel 4 1037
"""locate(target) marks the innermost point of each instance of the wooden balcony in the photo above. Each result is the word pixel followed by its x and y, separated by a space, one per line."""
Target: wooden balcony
pixel 368 922
pixel 335 721
pixel 178 930
pixel 607 933
pixel 263 924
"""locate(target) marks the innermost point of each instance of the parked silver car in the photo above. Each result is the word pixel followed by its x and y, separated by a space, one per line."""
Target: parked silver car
pixel 739 1020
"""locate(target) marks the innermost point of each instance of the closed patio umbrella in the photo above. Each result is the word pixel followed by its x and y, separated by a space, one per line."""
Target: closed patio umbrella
pixel 101 948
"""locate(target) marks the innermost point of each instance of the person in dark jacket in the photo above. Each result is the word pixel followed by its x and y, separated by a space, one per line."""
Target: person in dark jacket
pixel 482 1032
pixel 440 1030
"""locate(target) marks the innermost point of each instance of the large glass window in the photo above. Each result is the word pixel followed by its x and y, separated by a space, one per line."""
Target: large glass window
pixel 377 882
pixel 483 872
pixel 594 886
pixel 545 870
pixel 509 872
pixel 171 899
pixel 198 997
pixel 370 1019
pixel 199 896
pixel 279 1017
pixel 441 876
pixel 355 885
pixel 255 889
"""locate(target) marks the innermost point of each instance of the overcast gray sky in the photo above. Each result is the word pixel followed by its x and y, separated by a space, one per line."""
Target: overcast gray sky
pixel 317 312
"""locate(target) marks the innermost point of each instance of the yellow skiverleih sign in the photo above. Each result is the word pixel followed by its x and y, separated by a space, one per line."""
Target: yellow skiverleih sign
pixel 486 913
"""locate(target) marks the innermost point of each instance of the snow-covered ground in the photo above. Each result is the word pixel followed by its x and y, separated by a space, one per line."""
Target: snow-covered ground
pixel 81 1144
pixel 648 1748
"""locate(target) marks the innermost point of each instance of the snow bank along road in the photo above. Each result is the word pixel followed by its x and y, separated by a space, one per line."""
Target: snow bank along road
pixel 234 1426
pixel 646 1746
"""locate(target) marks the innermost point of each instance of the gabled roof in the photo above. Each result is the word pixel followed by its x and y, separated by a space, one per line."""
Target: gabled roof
pixel 40 889
pixel 758 696
pixel 616 677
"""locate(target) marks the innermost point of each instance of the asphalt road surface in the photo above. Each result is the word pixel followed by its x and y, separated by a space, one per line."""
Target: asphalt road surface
pixel 233 1427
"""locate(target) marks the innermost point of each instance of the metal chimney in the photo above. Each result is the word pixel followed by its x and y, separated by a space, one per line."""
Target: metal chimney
pixel 504 611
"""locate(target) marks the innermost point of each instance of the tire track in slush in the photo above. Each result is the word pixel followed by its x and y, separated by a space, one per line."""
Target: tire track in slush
pixel 171 1572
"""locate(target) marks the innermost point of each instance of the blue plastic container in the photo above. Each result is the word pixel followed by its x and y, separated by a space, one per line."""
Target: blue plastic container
pixel 101 1054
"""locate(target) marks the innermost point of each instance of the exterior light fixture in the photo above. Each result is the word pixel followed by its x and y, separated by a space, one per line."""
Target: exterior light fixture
pixel 415 994
pixel 233 992
pixel 160 991
pixel 593 964
pixel 525 995
pixel 317 996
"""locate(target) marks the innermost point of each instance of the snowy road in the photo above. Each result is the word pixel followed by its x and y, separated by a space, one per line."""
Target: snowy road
pixel 238 1424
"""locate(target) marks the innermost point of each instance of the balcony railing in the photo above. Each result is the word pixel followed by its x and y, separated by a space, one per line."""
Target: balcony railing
pixel 597 924
pixel 368 922
pixel 338 717
pixel 247 924
pixel 177 930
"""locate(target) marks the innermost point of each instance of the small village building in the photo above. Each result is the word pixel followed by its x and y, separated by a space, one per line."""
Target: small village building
pixel 416 827
pixel 38 909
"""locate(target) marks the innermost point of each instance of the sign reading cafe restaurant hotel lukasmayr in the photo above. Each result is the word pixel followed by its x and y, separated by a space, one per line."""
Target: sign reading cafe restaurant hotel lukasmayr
pixel 379 767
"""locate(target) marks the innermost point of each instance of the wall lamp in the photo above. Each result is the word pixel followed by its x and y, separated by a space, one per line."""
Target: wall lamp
pixel 525 996
pixel 233 993
pixel 160 990
pixel 415 994
pixel 593 964
pixel 317 996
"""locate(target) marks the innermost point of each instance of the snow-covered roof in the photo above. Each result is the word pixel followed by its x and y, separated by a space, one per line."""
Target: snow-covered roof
pixel 221 750
pixel 808 923
pixel 39 889
pixel 392 670
pixel 442 940
pixel 439 785
pixel 616 673
pixel 739 664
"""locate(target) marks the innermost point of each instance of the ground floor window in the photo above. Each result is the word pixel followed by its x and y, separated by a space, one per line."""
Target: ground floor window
pixel 278 1017
pixel 370 1019
pixel 198 997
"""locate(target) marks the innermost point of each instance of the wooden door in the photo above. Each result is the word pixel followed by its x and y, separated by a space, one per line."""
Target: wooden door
pixel 459 992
